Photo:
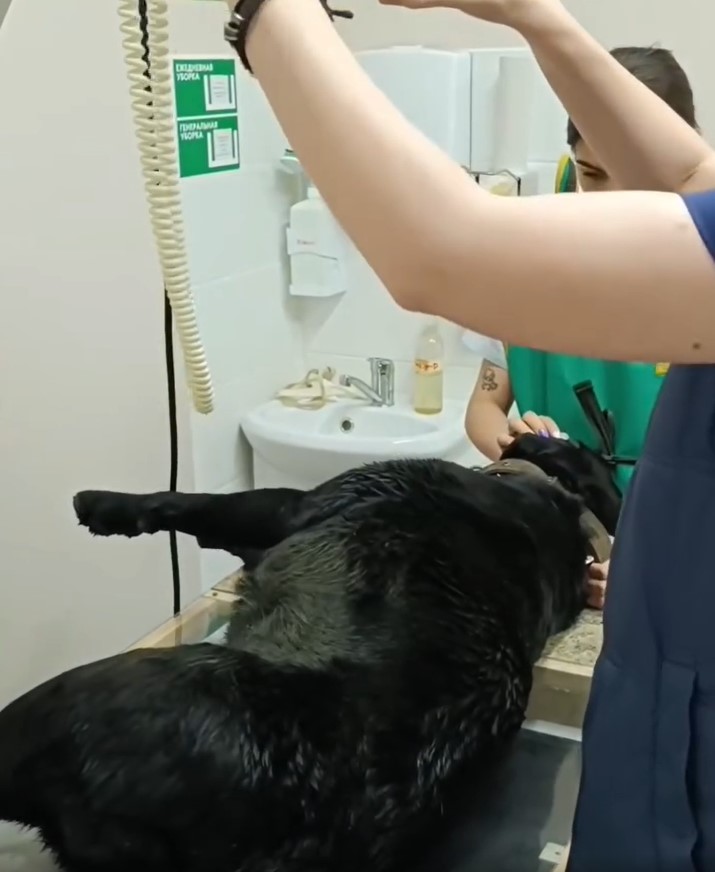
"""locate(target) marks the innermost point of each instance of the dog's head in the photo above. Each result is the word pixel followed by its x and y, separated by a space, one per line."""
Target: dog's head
pixel 578 469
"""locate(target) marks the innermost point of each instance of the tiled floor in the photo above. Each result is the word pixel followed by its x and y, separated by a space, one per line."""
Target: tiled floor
pixel 525 818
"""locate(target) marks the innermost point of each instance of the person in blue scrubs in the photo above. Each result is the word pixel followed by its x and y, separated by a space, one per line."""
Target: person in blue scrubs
pixel 627 275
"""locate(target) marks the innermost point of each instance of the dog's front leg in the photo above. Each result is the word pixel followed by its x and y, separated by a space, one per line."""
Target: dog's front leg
pixel 251 520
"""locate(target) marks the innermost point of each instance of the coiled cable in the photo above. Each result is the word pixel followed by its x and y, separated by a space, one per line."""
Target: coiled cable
pixel 154 123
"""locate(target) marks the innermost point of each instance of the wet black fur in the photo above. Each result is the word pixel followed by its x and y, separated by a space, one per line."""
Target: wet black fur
pixel 383 653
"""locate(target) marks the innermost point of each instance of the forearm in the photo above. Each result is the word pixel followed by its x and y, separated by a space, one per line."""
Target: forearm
pixel 485 422
pixel 373 168
pixel 642 142
pixel 376 172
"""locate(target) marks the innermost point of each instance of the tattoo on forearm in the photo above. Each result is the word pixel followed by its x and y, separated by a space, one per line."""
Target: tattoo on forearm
pixel 489 377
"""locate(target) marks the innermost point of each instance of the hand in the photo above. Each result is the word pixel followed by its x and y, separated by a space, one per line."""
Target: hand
pixel 597 580
pixel 512 13
pixel 541 425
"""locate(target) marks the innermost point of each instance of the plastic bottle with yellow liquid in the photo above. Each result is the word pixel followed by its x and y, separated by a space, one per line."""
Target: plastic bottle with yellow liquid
pixel 428 398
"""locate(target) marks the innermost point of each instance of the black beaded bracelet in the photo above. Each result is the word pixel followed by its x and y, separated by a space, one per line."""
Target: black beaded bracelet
pixel 236 29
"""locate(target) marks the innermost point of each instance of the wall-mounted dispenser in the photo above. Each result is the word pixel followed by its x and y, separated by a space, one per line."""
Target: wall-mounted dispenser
pixel 513 105
pixel 516 121
pixel 317 247
pixel 431 87
pixel 491 110
pixel 547 141
pixel 485 66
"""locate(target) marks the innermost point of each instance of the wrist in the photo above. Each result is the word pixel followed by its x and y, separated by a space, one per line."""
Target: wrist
pixel 244 15
pixel 535 19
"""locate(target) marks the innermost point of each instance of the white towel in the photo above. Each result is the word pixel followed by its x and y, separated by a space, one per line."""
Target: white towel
pixel 316 390
pixel 20 851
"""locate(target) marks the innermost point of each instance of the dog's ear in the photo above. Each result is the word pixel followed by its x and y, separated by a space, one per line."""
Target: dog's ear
pixel 579 469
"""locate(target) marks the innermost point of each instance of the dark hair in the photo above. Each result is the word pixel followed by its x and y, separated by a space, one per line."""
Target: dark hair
pixel 658 69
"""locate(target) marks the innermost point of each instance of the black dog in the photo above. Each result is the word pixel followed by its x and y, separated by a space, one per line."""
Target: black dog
pixel 383 652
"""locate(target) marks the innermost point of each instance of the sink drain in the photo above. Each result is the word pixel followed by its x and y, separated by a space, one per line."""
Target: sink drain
pixel 347 425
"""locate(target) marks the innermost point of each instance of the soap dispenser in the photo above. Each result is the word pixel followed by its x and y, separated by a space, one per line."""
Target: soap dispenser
pixel 317 249
pixel 429 371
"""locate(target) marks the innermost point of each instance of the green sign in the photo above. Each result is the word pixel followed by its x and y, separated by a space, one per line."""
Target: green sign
pixel 206 116
pixel 208 145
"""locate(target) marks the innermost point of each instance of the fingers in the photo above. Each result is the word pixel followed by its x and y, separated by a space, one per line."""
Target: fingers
pixel 519 426
pixel 596 584
pixel 596 596
pixel 552 427
pixel 540 424
pixel 598 571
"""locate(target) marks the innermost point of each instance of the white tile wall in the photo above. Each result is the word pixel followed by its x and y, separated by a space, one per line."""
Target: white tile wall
pixel 248 326
pixel 234 221
pixel 235 225
pixel 257 337
pixel 365 321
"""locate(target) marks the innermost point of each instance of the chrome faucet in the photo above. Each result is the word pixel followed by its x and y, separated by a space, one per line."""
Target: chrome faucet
pixel 382 371
pixel 352 381
pixel 382 390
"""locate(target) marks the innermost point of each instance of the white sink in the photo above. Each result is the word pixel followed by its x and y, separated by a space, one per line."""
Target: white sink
pixel 312 446
pixel 377 426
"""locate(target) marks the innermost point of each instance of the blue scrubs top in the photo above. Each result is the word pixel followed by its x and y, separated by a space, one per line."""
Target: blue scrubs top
pixel 647 797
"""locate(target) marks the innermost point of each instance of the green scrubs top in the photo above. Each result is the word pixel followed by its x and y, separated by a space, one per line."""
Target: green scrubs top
pixel 543 383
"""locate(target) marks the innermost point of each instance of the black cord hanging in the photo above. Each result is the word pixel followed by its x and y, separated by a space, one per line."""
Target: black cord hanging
pixel 170 365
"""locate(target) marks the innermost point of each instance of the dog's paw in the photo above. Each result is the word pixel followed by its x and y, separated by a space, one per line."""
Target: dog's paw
pixel 106 513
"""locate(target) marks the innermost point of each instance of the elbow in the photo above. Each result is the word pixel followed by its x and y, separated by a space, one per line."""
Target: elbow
pixel 484 446
pixel 407 300
pixel 413 281
pixel 430 256
pixel 405 290
pixel 483 427
pixel 700 177
pixel 476 442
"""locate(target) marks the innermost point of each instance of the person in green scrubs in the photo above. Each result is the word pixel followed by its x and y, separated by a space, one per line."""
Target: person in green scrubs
pixel 542 384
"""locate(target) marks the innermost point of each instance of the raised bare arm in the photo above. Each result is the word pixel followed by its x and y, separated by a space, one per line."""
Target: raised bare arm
pixel 622 276
pixel 640 140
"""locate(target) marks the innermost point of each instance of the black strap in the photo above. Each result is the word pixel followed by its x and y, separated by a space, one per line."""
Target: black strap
pixel 603 424
pixel 235 31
